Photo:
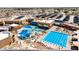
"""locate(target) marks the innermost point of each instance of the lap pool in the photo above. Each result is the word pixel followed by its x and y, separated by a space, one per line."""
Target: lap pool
pixel 56 38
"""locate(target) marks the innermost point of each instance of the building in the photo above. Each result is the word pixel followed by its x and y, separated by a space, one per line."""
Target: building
pixel 46 23
pixel 5 39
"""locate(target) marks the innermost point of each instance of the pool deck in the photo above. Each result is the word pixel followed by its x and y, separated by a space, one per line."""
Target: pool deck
pixel 21 45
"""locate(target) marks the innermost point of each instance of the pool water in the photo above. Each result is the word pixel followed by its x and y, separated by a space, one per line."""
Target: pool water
pixel 24 34
pixel 27 30
pixel 56 38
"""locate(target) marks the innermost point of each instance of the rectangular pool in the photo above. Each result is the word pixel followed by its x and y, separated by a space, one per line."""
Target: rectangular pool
pixel 56 38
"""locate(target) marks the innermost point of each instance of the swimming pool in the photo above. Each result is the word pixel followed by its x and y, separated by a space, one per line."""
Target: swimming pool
pixel 27 30
pixel 56 38
pixel 24 34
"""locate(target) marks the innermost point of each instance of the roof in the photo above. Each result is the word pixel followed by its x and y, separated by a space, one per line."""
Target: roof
pixel 14 25
pixel 44 21
pixel 3 36
pixel 19 17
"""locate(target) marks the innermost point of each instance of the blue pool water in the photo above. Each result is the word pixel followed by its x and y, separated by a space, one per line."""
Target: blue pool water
pixel 28 26
pixel 27 30
pixel 24 34
pixel 57 38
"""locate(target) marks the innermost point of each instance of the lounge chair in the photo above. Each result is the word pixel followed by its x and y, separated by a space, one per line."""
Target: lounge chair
pixel 74 47
pixel 74 39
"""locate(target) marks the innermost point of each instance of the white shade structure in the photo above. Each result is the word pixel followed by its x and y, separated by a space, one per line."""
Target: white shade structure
pixel 3 36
